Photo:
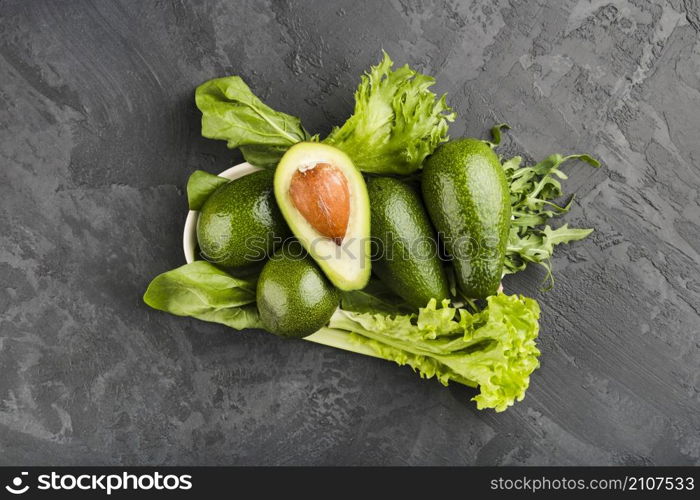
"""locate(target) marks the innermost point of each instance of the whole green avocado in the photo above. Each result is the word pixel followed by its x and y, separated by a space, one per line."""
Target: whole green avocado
pixel 294 297
pixel 240 224
pixel 466 194
pixel 406 259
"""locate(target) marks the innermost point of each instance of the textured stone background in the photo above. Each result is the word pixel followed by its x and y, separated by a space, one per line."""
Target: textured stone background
pixel 99 133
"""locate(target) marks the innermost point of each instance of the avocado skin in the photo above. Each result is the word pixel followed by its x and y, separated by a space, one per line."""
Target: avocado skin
pixel 240 222
pixel 400 225
pixel 467 197
pixel 294 297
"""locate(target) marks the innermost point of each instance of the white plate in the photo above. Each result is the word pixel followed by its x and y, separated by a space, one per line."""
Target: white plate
pixel 325 336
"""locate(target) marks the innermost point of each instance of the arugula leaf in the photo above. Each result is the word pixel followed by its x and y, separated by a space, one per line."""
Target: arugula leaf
pixel 205 292
pixel 231 112
pixel 200 186
pixel 496 134
pixel 397 121
pixel 531 192
pixel 493 349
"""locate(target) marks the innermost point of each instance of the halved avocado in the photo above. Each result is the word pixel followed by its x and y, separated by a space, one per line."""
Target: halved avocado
pixel 323 198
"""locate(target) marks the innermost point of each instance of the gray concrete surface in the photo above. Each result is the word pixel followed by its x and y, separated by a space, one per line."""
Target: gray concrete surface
pixel 99 132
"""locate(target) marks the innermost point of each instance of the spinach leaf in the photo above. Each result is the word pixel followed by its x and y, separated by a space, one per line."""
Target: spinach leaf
pixel 231 112
pixel 263 156
pixel 375 297
pixel 203 291
pixel 200 186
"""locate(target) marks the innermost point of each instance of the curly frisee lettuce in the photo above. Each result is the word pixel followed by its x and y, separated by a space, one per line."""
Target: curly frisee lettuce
pixel 397 121
pixel 493 349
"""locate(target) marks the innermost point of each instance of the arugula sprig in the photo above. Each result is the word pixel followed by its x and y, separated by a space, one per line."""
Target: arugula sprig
pixel 532 191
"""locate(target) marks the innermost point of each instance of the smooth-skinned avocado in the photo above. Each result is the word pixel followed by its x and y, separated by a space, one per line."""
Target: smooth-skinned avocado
pixel 240 224
pixel 466 194
pixel 405 256
pixel 323 198
pixel 294 297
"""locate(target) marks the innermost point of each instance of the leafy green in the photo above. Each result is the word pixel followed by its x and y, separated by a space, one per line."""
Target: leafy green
pixel 263 156
pixel 203 291
pixel 375 297
pixel 496 134
pixel 532 190
pixel 397 121
pixel 200 186
pixel 231 112
pixel 493 349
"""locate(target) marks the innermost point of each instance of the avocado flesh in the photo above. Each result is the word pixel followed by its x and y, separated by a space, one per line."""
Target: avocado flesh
pixel 294 297
pixel 467 197
pixel 346 261
pixel 407 258
pixel 240 223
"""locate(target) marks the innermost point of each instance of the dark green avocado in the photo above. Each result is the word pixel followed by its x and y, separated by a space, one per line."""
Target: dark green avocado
pixel 406 254
pixel 467 197
pixel 240 224
pixel 294 297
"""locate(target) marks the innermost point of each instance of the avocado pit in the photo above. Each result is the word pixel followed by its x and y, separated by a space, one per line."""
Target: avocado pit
pixel 321 195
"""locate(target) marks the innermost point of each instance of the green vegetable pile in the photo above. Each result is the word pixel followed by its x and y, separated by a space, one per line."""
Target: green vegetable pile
pixel 385 238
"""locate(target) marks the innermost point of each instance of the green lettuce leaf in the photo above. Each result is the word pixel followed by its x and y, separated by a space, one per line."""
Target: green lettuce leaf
pixel 493 349
pixel 200 186
pixel 397 121
pixel 203 291
pixel 231 112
